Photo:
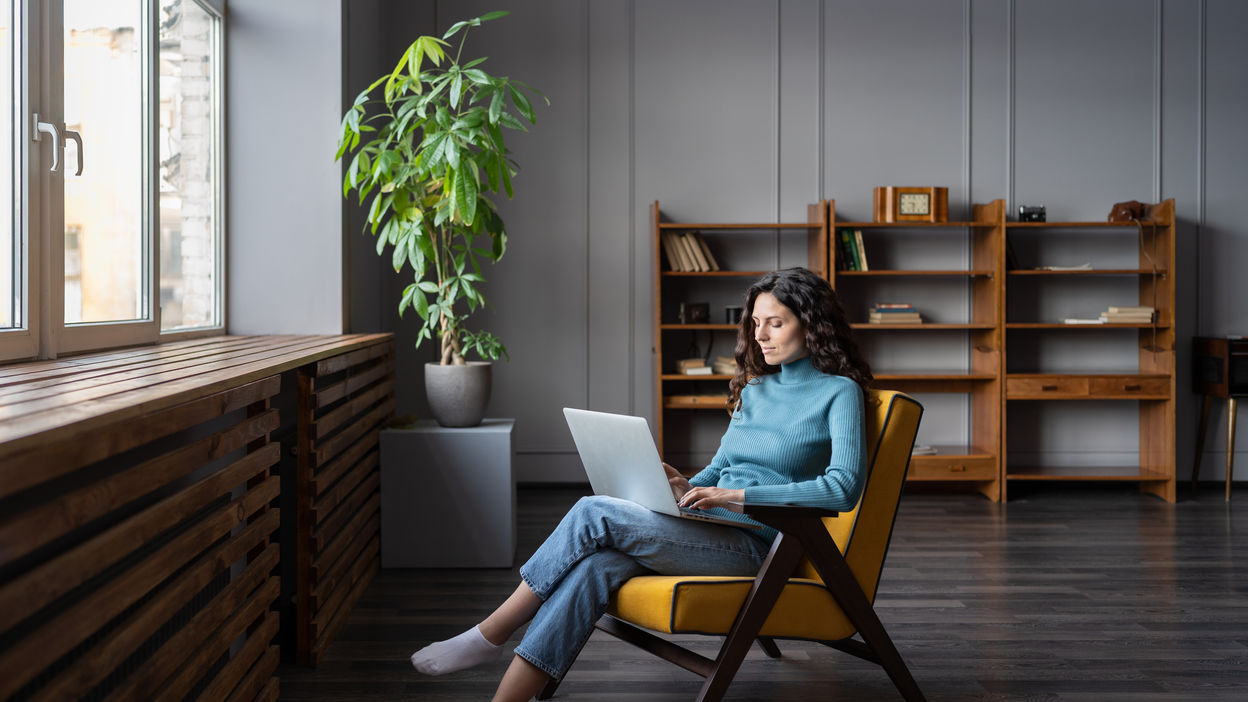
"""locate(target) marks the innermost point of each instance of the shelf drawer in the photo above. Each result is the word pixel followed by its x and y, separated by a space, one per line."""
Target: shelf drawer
pixel 952 468
pixel 1059 387
pixel 1131 387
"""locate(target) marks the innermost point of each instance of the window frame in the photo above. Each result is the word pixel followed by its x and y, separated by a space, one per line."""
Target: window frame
pixel 39 215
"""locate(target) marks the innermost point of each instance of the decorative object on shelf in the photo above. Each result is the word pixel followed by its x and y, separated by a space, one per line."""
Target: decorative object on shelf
pixel 421 150
pixel 1129 211
pixel 893 313
pixel 725 365
pixel 895 203
pixel 733 313
pixel 694 313
pixel 1140 314
pixel 1030 213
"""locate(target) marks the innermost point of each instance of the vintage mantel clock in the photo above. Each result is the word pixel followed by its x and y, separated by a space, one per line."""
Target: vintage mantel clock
pixel 902 204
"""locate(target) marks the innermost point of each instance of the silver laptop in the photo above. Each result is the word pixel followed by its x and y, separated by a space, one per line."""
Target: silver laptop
pixel 621 461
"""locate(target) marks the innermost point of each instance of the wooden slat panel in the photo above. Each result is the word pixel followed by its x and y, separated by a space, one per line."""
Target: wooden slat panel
pixel 330 421
pixel 37 587
pixel 29 530
pixel 250 655
pixel 327 557
pixel 173 654
pixel 258 678
pixel 63 375
pixel 352 543
pixel 341 362
pixel 205 651
pixel 366 497
pixel 25 369
pixel 340 464
pixel 345 387
pixel 56 458
pixel 75 418
pixel 66 630
pixel 327 636
pixel 326 503
pixel 93 666
pixel 340 602
pixel 337 443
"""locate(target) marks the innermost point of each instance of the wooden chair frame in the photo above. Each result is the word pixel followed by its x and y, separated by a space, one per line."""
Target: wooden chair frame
pixel 802 533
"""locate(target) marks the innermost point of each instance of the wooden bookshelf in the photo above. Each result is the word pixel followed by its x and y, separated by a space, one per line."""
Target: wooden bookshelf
pixel 703 398
pixel 1151 386
pixel 978 462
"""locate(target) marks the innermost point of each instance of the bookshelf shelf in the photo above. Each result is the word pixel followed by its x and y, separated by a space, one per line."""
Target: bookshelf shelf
pixel 764 226
pixel 1060 325
pixel 945 273
pixel 711 274
pixel 925 326
pixel 678 377
pixel 1087 473
pixel 697 327
pixel 1092 271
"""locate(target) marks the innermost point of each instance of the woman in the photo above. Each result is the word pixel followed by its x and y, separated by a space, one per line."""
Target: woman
pixel 796 436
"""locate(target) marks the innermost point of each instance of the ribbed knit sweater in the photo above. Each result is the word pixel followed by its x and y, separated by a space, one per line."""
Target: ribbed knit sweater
pixel 798 438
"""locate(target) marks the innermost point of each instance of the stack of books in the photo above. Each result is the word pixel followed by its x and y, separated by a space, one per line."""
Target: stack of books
pixel 1142 314
pixel 725 365
pixel 693 366
pixel 687 252
pixel 853 255
pixel 894 313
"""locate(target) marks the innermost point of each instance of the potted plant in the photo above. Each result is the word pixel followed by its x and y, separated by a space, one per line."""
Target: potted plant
pixel 429 150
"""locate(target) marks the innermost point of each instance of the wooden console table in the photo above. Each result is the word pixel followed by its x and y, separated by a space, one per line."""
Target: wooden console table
pixel 139 502
pixel 1221 370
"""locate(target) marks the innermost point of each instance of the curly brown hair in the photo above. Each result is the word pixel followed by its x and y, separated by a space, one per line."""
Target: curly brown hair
pixel 829 341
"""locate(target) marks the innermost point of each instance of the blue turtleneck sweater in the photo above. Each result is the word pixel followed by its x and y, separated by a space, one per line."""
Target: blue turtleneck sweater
pixel 797 438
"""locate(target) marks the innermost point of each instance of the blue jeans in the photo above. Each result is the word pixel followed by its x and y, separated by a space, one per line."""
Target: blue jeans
pixel 601 543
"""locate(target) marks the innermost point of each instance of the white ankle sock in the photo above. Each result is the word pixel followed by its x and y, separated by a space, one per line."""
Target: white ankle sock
pixel 464 651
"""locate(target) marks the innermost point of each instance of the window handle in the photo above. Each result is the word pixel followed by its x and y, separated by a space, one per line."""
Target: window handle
pixel 51 130
pixel 77 139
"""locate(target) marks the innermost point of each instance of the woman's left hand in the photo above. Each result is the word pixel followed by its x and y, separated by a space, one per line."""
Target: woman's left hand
pixel 708 497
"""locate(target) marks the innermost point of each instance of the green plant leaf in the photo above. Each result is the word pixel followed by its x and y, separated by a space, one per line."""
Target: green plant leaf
pixel 509 120
pixel 381 245
pixel 406 300
pixel 496 106
pixel 522 104
pixel 429 286
pixel 457 84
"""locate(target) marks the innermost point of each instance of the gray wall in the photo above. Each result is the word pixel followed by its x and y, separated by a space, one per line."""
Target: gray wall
pixel 738 110
pixel 283 220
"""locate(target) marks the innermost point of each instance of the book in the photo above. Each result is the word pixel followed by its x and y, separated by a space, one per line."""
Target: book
pixel 698 370
pixel 893 306
pixel 862 251
pixel 675 261
pixel 1079 320
pixel 1080 267
pixel 923 450
pixel 706 251
pixel 895 319
pixel 725 368
pixel 848 261
pixel 684 364
pixel 1141 308
pixel 694 253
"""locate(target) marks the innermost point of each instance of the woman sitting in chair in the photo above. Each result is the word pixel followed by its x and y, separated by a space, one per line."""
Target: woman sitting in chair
pixel 796 437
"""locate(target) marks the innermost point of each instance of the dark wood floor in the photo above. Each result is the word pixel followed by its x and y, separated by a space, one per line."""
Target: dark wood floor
pixel 1065 593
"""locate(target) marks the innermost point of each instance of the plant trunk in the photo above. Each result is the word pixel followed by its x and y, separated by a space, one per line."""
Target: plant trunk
pixel 451 354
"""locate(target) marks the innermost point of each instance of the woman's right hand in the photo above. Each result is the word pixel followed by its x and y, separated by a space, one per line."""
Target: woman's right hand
pixel 680 485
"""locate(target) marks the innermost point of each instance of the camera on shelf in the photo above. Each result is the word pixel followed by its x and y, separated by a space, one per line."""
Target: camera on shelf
pixel 1028 213
pixel 694 313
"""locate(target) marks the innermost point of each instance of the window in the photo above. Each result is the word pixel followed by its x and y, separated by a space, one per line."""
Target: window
pixel 114 201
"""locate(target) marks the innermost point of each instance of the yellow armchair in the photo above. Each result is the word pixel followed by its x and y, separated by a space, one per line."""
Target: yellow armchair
pixel 817 583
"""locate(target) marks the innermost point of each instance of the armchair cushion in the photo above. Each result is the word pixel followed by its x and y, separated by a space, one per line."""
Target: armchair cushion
pixel 709 604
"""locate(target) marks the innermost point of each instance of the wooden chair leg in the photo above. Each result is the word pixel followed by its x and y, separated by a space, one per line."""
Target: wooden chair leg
pixel 785 553
pixel 840 581
pixel 1231 407
pixel 1200 438
pixel 769 646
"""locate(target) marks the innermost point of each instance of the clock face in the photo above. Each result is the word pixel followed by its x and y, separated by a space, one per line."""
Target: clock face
pixel 914 204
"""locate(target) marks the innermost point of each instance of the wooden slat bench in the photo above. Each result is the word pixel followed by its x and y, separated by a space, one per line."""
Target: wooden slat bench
pixel 139 513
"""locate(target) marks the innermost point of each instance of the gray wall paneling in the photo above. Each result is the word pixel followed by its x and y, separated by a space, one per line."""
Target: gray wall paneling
pixel 749 110
pixel 283 222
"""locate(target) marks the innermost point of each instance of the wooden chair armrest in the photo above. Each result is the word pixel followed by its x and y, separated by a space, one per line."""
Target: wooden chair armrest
pixel 767 512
